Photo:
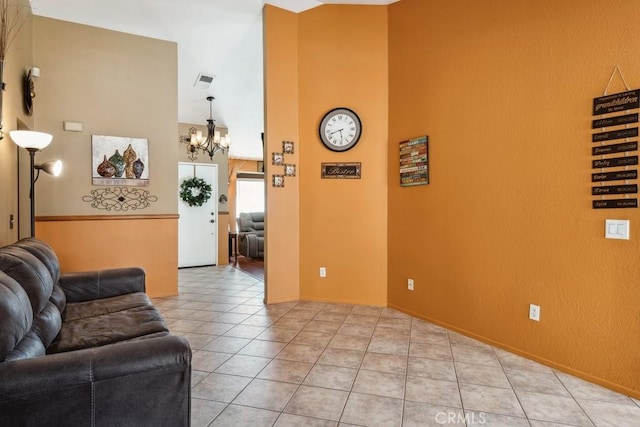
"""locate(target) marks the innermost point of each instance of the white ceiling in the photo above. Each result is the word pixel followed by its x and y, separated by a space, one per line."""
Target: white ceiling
pixel 218 37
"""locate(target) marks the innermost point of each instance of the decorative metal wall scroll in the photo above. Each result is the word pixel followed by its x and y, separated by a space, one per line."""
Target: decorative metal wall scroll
pixel 119 199
pixel 414 161
pixel 615 160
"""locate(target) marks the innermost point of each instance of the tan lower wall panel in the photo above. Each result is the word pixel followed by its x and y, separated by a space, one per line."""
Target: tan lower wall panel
pixel 90 245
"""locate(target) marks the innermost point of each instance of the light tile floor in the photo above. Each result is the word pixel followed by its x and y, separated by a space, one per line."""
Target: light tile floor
pixel 319 364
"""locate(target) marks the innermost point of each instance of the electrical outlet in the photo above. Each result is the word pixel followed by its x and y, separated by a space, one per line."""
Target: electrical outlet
pixel 410 284
pixel 323 272
pixel 534 312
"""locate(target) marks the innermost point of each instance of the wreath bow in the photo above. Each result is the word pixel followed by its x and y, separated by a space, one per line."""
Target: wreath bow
pixel 195 191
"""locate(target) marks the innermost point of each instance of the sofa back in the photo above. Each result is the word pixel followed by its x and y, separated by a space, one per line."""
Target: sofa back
pixel 31 301
pixel 251 222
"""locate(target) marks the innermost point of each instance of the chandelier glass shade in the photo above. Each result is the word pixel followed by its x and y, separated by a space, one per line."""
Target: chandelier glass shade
pixel 210 145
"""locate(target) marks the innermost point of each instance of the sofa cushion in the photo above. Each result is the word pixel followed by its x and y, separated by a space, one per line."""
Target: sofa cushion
pixel 16 314
pixel 30 273
pixel 82 329
pixel 104 306
pixel 251 222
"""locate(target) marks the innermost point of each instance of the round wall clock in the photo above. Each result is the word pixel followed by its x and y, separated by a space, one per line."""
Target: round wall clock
pixel 340 129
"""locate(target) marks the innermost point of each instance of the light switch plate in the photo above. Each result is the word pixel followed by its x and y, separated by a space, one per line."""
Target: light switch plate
pixel 616 229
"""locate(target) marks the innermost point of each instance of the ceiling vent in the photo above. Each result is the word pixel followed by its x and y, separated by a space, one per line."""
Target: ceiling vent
pixel 204 80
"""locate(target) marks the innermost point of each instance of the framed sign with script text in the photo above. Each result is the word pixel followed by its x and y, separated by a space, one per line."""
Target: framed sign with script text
pixel 340 170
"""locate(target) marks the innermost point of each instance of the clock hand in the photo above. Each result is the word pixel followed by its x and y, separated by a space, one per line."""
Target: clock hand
pixel 339 130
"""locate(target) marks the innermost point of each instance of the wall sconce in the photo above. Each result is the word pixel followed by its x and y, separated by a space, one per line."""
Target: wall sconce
pixel 29 90
pixel 34 142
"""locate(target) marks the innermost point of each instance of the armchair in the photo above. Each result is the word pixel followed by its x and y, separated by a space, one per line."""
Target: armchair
pixel 251 234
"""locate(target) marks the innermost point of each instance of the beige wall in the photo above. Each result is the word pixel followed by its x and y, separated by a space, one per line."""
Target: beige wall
pixel 115 84
pixel 17 61
pixel 504 90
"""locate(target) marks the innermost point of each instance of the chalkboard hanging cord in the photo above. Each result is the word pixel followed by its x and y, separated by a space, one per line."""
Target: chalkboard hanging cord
pixel 613 73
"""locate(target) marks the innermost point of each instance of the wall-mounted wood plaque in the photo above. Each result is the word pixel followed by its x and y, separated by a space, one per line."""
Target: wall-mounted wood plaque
pixel 614 148
pixel 615 162
pixel 614 120
pixel 614 176
pixel 340 170
pixel 614 189
pixel 615 204
pixel 414 161
pixel 616 102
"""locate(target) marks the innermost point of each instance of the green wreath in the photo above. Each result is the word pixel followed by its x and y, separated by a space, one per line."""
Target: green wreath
pixel 195 191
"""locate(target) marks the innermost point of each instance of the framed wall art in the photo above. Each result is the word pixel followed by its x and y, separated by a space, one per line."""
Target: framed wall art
pixel 278 180
pixel 289 169
pixel 287 147
pixel 414 161
pixel 277 159
pixel 119 160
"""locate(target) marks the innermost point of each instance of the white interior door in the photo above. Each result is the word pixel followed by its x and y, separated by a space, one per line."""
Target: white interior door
pixel 198 225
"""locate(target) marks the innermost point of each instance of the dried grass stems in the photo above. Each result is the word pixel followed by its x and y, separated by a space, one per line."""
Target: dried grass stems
pixel 10 23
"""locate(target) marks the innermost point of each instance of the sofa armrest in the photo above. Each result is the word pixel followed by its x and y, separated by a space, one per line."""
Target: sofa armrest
pixel 90 285
pixel 142 383
pixel 250 244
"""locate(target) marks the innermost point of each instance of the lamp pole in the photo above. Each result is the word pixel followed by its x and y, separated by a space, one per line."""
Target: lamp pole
pixel 32 155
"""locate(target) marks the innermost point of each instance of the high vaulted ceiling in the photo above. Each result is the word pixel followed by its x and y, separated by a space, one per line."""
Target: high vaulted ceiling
pixel 222 38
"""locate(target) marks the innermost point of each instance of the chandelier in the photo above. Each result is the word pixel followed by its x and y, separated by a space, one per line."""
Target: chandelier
pixel 209 145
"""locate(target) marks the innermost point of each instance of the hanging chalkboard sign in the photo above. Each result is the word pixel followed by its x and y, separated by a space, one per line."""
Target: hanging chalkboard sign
pixel 617 134
pixel 614 148
pixel 615 204
pixel 616 102
pixel 614 121
pixel 614 189
pixel 615 162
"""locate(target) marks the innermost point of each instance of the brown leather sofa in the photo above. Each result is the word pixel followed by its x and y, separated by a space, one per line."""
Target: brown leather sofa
pixel 85 349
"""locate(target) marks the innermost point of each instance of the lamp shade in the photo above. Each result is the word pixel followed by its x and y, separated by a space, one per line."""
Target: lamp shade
pixel 53 167
pixel 31 139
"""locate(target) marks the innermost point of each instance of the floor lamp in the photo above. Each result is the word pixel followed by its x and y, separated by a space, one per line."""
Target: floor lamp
pixel 34 142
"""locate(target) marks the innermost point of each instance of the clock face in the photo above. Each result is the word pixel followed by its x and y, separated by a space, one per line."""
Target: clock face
pixel 340 129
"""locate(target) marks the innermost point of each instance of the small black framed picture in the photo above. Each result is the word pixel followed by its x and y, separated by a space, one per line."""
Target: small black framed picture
pixel 289 169
pixel 277 159
pixel 287 147
pixel 278 180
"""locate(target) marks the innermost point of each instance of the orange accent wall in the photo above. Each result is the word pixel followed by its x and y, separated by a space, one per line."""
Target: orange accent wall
pixel 282 215
pixel 330 56
pixel 343 63
pixel 504 90
pixel 83 245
